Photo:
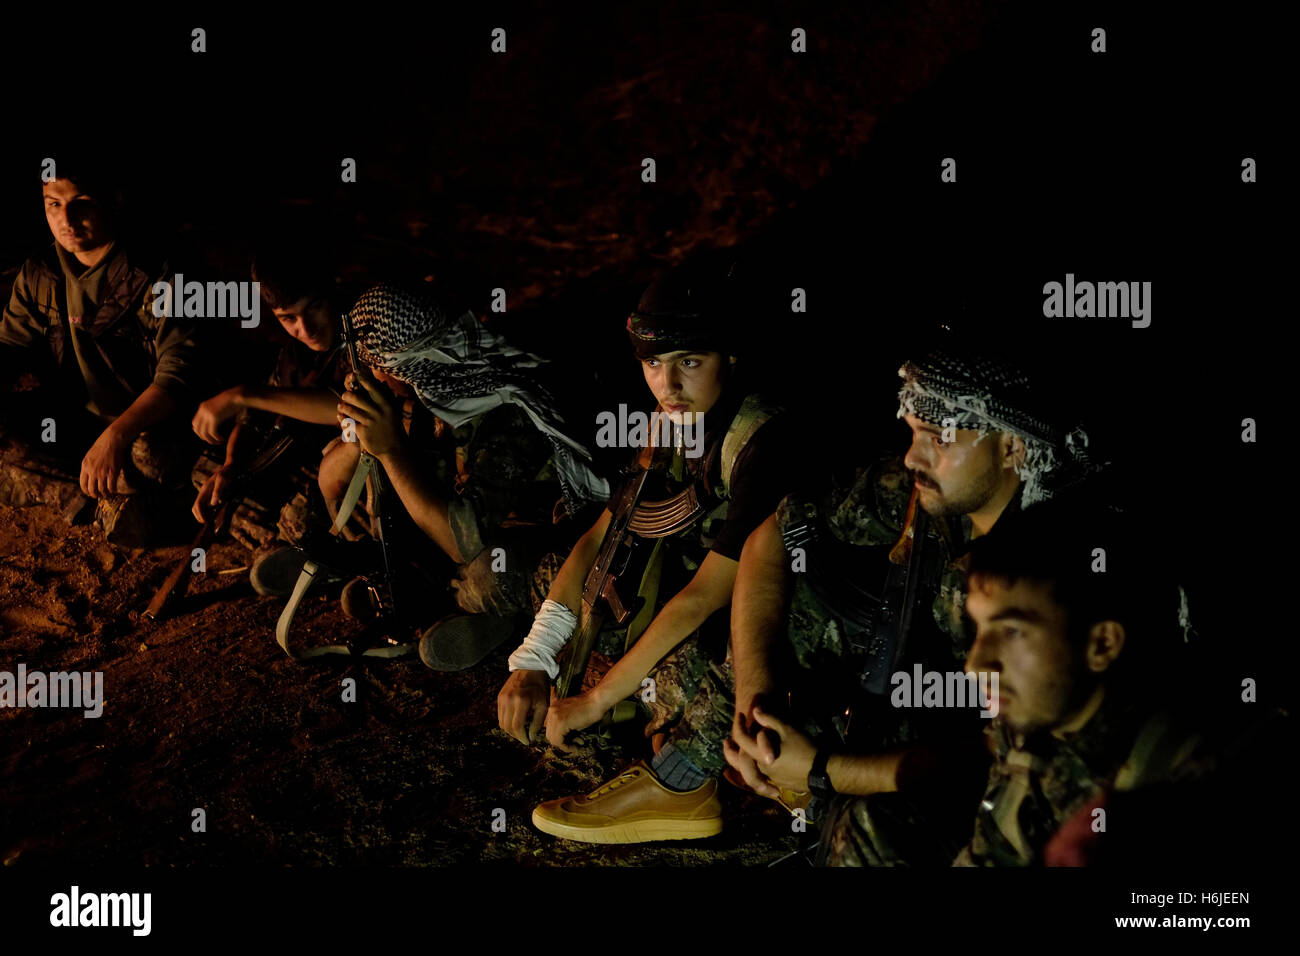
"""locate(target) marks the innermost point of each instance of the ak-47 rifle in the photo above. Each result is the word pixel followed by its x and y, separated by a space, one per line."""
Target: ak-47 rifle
pixel 632 523
pixel 905 559
pixel 389 621
pixel 173 589
pixel 600 591
pixel 369 465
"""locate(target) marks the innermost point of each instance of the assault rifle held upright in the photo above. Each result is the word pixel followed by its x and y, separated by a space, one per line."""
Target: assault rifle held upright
pixel 390 621
pixel 600 591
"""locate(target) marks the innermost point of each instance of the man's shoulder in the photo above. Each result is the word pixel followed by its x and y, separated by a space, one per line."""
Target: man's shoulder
pixel 757 428
pixel 863 504
pixel 40 269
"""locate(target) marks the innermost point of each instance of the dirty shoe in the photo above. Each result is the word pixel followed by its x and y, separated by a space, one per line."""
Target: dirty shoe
pixel 634 807
pixel 127 520
pixel 459 642
pixel 275 573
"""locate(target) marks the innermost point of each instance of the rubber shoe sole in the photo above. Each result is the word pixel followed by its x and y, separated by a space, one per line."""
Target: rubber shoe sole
pixel 460 642
pixel 276 573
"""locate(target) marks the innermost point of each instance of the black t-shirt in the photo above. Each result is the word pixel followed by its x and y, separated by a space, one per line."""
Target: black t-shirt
pixel 763 475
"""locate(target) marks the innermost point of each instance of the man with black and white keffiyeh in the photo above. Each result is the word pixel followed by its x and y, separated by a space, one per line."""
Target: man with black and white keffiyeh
pixel 509 435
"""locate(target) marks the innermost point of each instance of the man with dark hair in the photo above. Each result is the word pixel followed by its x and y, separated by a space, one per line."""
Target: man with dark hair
pixel 304 386
pixel 844 588
pixel 123 377
pixel 476 451
pixel 1073 616
pixel 684 334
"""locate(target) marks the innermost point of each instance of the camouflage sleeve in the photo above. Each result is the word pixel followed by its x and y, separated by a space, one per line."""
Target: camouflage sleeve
pixel 502 460
pixel 176 347
pixel 869 508
pixel 865 507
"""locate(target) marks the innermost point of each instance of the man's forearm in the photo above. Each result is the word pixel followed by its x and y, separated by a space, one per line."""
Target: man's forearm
pixel 318 406
pixel 678 619
pixel 240 444
pixel 864 774
pixel 152 406
pixel 426 507
pixel 758 613
pixel 567 587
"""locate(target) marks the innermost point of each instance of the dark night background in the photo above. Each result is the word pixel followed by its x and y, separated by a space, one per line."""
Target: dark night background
pixel 522 170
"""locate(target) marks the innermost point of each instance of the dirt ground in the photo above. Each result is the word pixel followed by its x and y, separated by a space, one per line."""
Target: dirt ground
pixel 205 711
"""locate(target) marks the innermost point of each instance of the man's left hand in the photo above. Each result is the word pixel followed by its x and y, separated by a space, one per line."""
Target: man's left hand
pixel 789 766
pixel 377 415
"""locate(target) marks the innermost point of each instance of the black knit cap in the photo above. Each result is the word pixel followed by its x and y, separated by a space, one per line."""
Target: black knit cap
pixel 691 309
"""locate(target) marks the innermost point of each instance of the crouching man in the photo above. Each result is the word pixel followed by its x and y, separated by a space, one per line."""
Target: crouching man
pixel 118 380
pixel 685 337
pixel 477 451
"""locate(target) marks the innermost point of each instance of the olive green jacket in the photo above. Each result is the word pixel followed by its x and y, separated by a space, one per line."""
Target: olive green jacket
pixel 99 328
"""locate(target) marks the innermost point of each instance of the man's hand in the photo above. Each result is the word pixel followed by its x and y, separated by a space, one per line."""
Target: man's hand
pixel 212 495
pixel 377 416
pixel 104 463
pixel 525 693
pixel 746 765
pixel 212 415
pixel 788 767
pixel 568 714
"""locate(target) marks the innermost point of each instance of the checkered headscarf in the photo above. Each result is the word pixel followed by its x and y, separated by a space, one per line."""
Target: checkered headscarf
pixel 460 370
pixel 987 395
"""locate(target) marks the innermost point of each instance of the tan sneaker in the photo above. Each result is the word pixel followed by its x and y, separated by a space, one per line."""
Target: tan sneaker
pixel 634 807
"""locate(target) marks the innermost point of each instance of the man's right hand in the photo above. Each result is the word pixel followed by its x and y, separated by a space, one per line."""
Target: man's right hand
pixel 212 495
pixel 526 694
pixel 215 412
pixel 743 763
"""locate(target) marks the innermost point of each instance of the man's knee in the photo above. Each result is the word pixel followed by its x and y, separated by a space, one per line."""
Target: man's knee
pixel 337 467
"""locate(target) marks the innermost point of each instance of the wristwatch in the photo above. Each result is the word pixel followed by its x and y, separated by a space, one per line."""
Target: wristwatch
pixel 819 781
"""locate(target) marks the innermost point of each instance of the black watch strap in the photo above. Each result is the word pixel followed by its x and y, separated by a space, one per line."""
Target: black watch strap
pixel 819 781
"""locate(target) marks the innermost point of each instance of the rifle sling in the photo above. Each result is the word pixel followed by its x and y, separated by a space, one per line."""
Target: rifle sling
pixel 308 576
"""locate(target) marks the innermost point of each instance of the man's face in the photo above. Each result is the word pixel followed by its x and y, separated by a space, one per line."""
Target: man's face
pixel 686 384
pixel 76 221
pixel 309 320
pixel 953 478
pixel 395 385
pixel 1021 635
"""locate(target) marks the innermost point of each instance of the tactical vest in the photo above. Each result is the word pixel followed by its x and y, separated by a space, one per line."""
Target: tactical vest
pixel 680 524
pixel 875 595
pixel 1029 797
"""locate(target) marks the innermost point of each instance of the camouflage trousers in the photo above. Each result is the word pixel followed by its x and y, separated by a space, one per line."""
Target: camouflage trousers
pixel 895 829
pixel 691 689
pixel 694 698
